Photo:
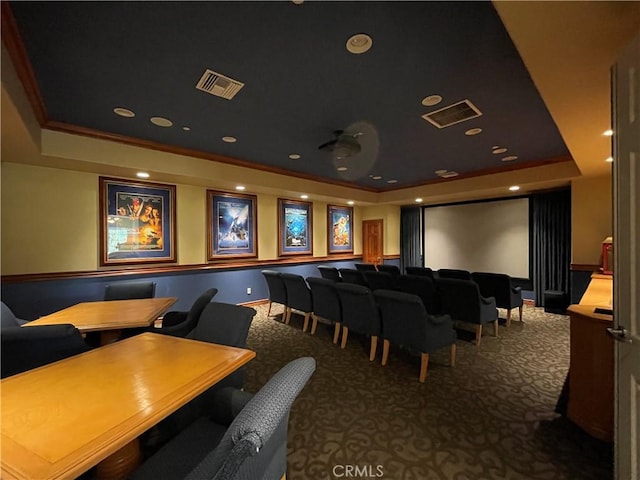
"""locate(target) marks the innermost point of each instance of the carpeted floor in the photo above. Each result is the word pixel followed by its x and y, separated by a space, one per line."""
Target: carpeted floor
pixel 490 417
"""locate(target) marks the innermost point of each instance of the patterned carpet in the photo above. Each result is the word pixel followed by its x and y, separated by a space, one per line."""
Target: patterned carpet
pixel 490 417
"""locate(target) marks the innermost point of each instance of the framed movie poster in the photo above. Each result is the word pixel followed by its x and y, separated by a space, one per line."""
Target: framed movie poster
pixel 231 225
pixel 294 227
pixel 340 229
pixel 137 222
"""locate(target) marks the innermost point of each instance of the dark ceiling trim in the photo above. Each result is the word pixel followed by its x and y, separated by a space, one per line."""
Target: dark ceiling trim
pixel 18 54
pixel 493 171
pixel 88 132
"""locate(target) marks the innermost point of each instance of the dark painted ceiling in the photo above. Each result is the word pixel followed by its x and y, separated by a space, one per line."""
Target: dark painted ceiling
pixel 300 83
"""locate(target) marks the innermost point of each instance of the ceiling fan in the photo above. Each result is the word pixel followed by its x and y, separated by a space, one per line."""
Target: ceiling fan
pixel 343 144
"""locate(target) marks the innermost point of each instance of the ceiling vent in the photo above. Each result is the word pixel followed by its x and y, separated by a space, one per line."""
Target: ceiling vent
pixel 219 85
pixel 456 113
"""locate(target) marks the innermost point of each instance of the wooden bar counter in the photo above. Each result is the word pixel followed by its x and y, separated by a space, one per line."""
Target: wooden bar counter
pixel 591 370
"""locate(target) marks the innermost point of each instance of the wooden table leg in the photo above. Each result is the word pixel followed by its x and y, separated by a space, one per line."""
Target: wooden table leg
pixel 120 464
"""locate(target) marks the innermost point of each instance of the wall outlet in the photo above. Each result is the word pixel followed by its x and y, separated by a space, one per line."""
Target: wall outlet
pixel 248 290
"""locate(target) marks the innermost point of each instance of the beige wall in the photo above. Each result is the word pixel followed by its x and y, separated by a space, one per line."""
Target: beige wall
pixel 591 218
pixel 50 222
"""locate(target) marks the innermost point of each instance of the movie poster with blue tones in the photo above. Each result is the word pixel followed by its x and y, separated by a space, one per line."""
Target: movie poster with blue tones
pixel 232 225
pixel 340 225
pixel 294 225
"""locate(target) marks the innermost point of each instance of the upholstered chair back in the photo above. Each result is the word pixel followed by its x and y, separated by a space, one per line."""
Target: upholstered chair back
pixel 353 276
pixel 330 273
pixel 422 286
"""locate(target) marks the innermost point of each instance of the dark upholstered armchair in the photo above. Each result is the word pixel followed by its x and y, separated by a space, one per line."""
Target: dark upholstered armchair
pixel 330 273
pixel 405 322
pixel 353 276
pixel 365 267
pixel 462 300
pixel 298 297
pixel 129 290
pixel 499 286
pixel 393 270
pixel 25 348
pixel 359 314
pixel 326 304
pixel 253 446
pixel 379 280
pixel 422 271
pixel 277 292
pixel 225 324
pixel 424 287
pixel 454 273
pixel 8 319
pixel 221 323
pixel 178 323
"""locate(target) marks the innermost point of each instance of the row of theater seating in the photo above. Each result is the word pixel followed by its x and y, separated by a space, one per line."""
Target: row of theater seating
pixel 388 277
pixel 414 313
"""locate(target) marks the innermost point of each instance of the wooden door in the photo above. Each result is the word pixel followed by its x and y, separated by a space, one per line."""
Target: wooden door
pixel 372 241
pixel 626 251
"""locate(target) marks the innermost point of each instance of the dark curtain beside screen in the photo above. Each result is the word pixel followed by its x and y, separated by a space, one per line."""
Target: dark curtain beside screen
pixel 410 233
pixel 550 216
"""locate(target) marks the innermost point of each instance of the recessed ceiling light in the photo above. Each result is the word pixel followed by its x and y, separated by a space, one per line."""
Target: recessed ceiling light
pixel 608 133
pixel 498 150
pixel 304 197
pixel 509 158
pixel 229 139
pixel 342 169
pixel 514 188
pixel 473 131
pixel 431 100
pixel 418 200
pixel 377 177
pixel 142 175
pixel 350 202
pixel 124 112
pixel 240 187
pixel 186 129
pixel 298 2
pixel 161 122
pixel 392 181
pixel 449 174
pixel 359 43
pixel 440 172
pixel 609 160
pixel 294 156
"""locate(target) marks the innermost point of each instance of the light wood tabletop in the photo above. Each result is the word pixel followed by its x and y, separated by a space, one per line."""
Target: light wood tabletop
pixel 61 419
pixel 109 317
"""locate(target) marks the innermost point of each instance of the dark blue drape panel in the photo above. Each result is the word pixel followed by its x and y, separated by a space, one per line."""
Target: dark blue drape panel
pixel 410 238
pixel 551 242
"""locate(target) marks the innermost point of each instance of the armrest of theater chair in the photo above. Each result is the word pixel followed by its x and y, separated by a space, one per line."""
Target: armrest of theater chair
pixel 488 301
pixel 440 319
pixel 173 318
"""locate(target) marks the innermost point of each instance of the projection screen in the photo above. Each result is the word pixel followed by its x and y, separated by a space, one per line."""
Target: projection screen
pixel 479 237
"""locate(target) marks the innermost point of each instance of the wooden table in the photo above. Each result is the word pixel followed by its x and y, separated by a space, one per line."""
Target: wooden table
pixel 60 420
pixel 109 318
